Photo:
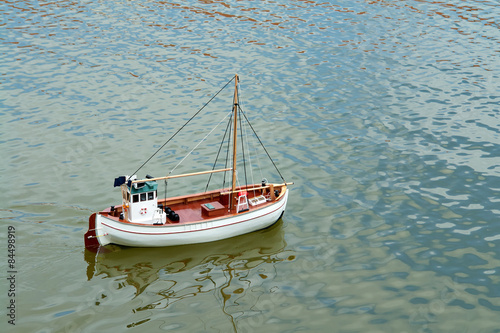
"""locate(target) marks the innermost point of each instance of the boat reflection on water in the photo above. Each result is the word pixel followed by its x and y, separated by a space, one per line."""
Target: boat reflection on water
pixel 224 268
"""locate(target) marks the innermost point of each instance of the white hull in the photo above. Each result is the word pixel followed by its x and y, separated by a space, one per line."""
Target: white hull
pixel 109 231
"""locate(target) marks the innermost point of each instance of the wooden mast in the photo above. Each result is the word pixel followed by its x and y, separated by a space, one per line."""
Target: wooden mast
pixel 235 134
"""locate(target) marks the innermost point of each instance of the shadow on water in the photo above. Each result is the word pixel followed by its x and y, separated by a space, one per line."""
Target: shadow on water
pixel 226 269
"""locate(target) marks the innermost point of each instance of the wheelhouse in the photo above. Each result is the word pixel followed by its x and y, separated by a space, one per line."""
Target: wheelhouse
pixel 140 201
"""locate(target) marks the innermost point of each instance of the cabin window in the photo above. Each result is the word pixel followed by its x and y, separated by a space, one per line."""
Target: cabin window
pixel 143 196
pixel 136 197
pixel 151 195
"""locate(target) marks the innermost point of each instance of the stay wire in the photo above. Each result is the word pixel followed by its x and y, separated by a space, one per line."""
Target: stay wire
pixel 218 153
pixel 243 113
pixel 243 151
pixel 199 143
pixel 180 129
pixel 227 152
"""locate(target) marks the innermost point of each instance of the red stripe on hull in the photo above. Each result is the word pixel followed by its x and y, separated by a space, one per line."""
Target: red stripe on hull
pixel 187 231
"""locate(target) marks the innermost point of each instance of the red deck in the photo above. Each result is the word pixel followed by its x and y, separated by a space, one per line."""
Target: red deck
pixel 190 207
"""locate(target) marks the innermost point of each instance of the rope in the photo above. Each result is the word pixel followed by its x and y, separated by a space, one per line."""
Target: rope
pixel 166 184
pixel 243 151
pixel 218 153
pixel 227 151
pixel 199 143
pixel 244 129
pixel 180 129
pixel 243 113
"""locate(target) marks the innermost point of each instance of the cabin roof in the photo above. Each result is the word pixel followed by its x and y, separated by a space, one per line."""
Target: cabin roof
pixel 143 187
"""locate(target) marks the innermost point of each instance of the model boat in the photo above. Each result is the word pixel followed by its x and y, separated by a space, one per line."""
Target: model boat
pixel 145 220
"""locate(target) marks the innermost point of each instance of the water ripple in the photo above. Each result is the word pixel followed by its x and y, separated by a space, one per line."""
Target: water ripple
pixel 384 114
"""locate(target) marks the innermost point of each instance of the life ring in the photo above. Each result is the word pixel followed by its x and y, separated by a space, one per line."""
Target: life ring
pixel 144 211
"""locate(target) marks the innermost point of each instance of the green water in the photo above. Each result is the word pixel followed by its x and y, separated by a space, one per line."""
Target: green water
pixel 384 114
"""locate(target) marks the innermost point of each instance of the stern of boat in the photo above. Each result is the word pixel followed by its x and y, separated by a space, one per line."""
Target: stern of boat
pixel 90 238
pixel 95 237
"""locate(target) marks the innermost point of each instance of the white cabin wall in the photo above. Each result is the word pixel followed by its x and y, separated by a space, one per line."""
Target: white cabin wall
pixel 143 211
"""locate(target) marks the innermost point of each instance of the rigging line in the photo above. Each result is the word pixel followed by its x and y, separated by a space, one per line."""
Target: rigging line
pixel 249 150
pixel 254 145
pixel 243 141
pixel 237 180
pixel 180 129
pixel 258 163
pixel 227 151
pixel 243 113
pixel 166 184
pixel 243 151
pixel 252 148
pixel 218 153
pixel 241 101
pixel 199 143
